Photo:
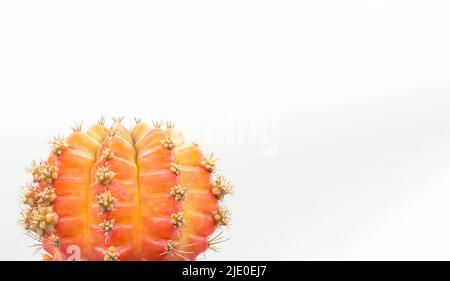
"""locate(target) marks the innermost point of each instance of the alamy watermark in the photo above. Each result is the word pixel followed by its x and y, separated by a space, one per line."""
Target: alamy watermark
pixel 260 129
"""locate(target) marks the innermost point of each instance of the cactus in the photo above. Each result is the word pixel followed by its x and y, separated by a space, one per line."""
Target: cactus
pixel 117 194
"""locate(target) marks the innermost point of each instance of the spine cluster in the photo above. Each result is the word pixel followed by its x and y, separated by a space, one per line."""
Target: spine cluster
pixel 105 200
pixel 177 192
pixel 38 216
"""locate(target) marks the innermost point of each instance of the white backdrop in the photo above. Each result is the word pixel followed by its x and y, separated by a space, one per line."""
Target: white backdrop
pixel 331 118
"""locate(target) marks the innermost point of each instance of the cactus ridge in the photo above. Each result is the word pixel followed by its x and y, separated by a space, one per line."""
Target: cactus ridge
pixel 125 194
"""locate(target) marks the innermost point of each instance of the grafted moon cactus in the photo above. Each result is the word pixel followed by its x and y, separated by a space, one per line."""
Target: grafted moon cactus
pixel 118 194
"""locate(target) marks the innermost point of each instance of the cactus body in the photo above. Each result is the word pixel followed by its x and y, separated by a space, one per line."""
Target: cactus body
pixel 118 194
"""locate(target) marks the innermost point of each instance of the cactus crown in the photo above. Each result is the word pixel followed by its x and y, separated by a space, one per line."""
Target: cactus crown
pixel 123 194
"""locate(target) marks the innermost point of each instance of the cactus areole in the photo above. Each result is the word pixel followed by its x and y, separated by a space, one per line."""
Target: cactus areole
pixel 116 194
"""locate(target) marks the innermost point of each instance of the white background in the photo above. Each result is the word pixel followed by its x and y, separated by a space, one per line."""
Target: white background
pixel 358 93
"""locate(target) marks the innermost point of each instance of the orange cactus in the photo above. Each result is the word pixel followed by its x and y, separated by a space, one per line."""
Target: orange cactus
pixel 118 194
